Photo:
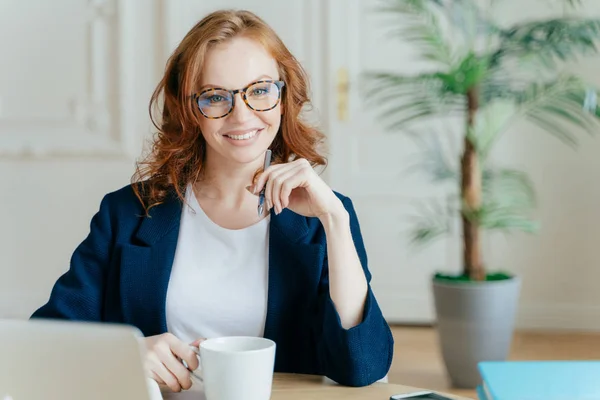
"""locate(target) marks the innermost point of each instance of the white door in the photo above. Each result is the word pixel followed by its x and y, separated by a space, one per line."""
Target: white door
pixel 370 164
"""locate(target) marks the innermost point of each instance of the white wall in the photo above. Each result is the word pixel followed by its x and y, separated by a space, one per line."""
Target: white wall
pixel 75 79
pixel 560 267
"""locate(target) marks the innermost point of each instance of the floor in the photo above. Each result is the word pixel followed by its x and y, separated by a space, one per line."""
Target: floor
pixel 417 361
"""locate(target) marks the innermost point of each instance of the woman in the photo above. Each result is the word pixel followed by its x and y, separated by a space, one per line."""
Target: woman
pixel 182 253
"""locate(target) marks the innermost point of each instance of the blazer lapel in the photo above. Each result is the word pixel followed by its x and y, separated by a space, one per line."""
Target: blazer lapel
pixel 295 265
pixel 146 268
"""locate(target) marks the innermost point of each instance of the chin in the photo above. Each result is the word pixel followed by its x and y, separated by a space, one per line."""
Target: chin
pixel 246 157
pixel 246 154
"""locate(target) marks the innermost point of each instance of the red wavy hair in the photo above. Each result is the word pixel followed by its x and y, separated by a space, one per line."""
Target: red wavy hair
pixel 178 148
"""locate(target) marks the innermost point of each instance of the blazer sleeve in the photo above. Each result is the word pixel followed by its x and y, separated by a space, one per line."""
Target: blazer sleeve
pixel 78 293
pixel 361 355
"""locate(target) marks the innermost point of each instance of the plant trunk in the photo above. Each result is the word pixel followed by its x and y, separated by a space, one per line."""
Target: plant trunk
pixel 471 195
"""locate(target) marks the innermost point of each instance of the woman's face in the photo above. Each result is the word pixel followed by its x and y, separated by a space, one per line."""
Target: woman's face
pixel 244 134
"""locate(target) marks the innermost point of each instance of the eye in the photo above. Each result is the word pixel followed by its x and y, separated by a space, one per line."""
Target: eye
pixel 260 91
pixel 215 98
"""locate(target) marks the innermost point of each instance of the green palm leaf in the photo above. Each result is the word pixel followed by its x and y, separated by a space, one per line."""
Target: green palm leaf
pixel 494 216
pixel 557 107
pixel 437 156
pixel 433 221
pixel 509 187
pixel 499 90
pixel 508 195
pixel 419 23
pixel 561 39
pixel 508 200
pixel 490 122
pixel 402 99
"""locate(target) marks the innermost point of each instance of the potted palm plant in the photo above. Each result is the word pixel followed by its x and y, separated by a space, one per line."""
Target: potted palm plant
pixel 484 77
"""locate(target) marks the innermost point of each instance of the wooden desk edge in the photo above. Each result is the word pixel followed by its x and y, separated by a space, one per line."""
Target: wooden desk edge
pixel 283 382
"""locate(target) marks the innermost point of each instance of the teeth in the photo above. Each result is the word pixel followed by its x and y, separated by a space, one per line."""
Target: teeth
pixel 245 136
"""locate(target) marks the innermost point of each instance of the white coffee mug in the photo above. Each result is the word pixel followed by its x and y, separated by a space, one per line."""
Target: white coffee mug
pixel 236 368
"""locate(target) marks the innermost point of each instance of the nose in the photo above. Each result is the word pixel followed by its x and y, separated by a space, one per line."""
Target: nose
pixel 240 111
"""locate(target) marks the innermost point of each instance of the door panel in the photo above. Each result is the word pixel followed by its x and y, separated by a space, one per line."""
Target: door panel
pixel 371 165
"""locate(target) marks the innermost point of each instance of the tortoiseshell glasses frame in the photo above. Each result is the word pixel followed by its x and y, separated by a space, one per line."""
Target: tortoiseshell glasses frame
pixel 205 98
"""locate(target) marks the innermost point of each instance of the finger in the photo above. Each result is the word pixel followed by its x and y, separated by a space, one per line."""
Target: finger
pixel 265 175
pixel 173 363
pixel 149 365
pixel 290 183
pixel 196 343
pixel 271 189
pixel 284 179
pixel 157 378
pixel 181 373
pixel 184 352
pixel 167 377
pixel 270 181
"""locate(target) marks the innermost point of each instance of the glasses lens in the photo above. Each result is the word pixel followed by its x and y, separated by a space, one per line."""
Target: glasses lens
pixel 215 103
pixel 262 96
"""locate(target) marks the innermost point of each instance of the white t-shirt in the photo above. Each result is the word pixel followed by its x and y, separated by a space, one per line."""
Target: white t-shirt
pixel 219 281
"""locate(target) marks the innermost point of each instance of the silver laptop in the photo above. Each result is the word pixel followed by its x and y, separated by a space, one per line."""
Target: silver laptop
pixel 44 359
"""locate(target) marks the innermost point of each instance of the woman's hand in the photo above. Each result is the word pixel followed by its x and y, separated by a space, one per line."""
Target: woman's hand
pixel 164 355
pixel 296 185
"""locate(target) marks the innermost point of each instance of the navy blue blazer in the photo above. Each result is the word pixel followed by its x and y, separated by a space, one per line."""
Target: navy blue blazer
pixel 120 273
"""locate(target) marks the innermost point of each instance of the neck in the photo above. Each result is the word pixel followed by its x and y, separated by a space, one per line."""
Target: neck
pixel 225 181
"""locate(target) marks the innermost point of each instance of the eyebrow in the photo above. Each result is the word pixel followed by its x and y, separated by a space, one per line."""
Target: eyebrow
pixel 261 77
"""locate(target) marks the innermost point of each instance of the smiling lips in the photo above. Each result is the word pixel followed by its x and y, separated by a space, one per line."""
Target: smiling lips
pixel 249 134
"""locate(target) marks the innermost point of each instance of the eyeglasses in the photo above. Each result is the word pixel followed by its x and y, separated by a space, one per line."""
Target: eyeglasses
pixel 215 103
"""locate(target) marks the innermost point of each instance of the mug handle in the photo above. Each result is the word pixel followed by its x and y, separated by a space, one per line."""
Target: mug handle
pixel 198 372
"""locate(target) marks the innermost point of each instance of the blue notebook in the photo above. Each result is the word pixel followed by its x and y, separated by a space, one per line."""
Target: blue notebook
pixel 539 380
